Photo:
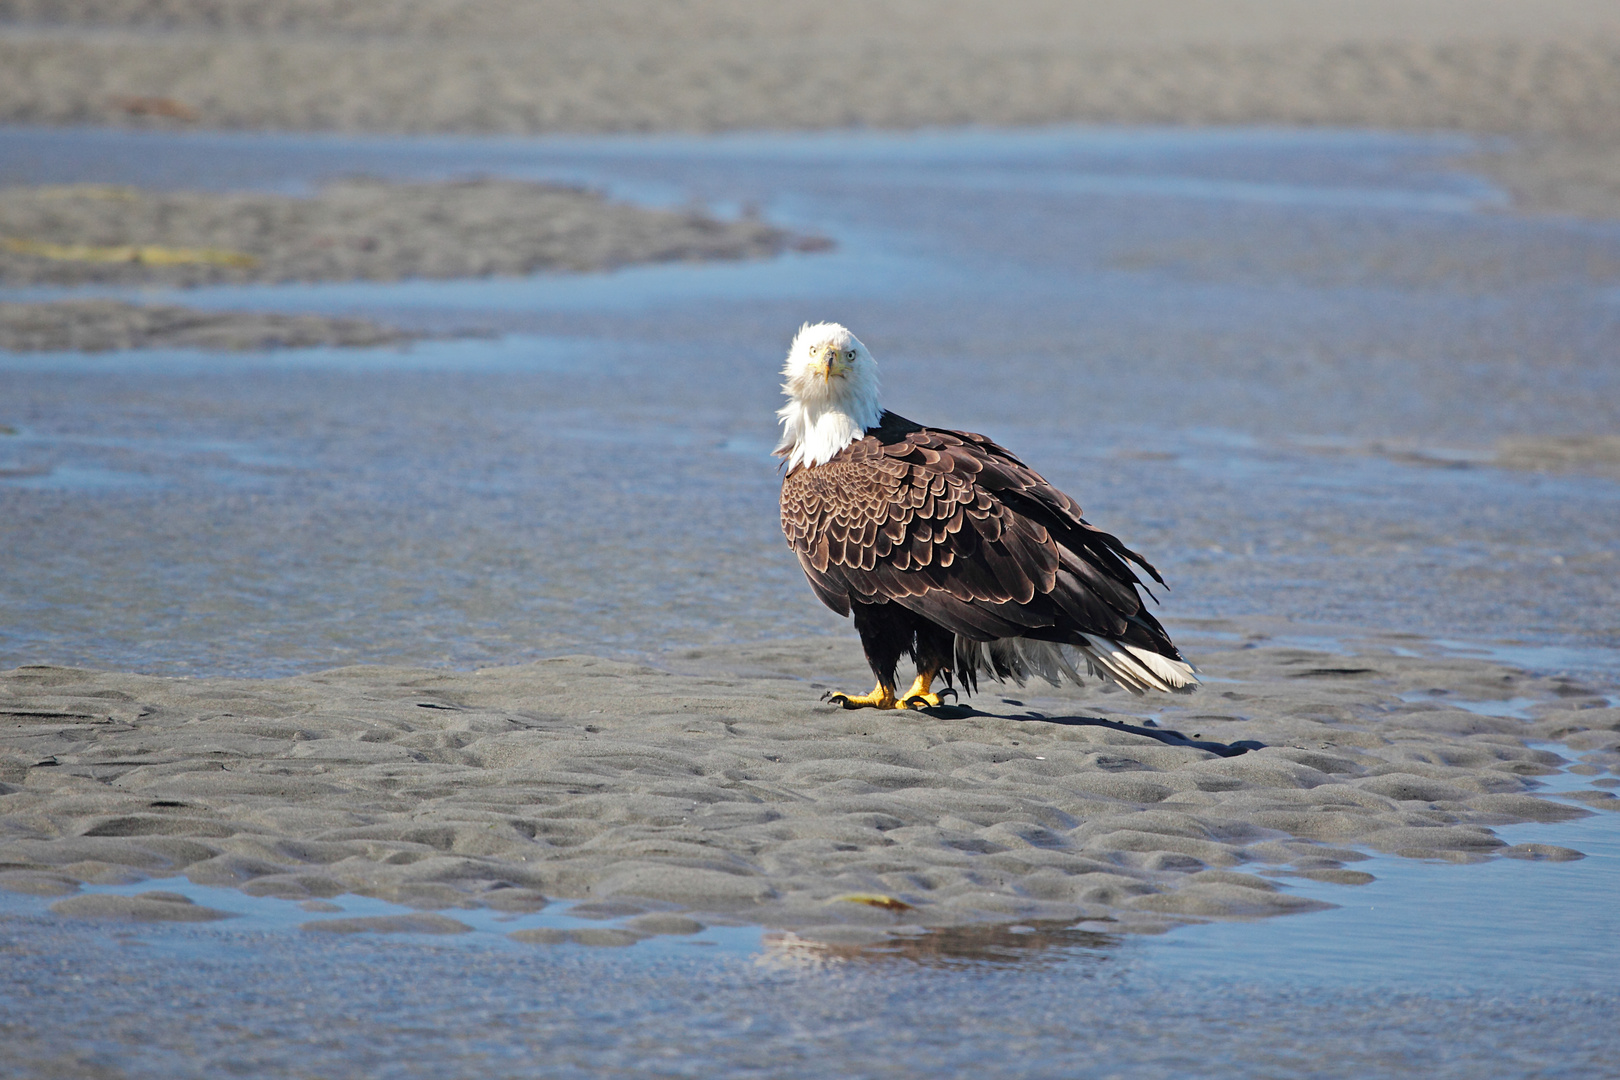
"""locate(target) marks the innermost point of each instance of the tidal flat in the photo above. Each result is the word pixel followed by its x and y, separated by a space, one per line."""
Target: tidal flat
pixel 745 796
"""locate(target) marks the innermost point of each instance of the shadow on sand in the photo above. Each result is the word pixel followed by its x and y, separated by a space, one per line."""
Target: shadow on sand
pixel 1168 736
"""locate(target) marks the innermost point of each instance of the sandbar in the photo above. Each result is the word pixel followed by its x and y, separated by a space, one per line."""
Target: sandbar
pixel 716 783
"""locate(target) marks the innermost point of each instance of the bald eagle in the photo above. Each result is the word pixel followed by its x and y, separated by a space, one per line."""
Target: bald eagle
pixel 944 545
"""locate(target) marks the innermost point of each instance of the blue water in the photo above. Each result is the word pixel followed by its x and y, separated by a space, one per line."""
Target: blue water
pixel 1214 362
pixel 1536 927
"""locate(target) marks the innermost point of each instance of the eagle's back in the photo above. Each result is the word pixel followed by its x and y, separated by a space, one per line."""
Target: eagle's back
pixel 957 529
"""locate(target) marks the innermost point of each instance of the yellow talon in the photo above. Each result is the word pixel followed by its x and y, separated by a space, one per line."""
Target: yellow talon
pixel 879 698
pixel 918 692
pixel 922 696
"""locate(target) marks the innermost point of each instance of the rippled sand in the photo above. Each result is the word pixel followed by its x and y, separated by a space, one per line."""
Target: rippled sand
pixel 701 787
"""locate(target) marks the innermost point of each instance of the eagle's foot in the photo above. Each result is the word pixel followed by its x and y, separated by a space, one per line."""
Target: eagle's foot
pixel 920 696
pixel 881 697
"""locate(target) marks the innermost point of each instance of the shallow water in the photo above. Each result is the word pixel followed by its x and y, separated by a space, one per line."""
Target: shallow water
pixel 1277 363
pixel 1274 362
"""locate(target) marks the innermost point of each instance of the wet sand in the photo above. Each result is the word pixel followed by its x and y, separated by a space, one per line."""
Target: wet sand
pixel 368 230
pixel 105 325
pixel 1549 76
pixel 718 784
pixel 357 229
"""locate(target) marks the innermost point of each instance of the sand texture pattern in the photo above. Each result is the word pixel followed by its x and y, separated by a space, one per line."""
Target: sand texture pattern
pixel 455 65
pixel 742 795
pixel 1549 72
pixel 102 325
pixel 352 229
pixel 634 85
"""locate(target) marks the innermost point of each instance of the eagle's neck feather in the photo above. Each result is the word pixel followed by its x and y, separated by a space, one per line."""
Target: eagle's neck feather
pixel 812 433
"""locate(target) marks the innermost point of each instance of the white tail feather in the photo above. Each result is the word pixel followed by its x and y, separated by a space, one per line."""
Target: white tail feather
pixel 1136 669
pixel 1139 670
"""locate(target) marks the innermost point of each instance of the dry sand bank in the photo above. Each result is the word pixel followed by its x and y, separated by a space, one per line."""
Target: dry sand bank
pixel 438 65
pixel 1597 455
pixel 735 793
pixel 102 325
pixel 355 229
pixel 1548 71
pixel 1593 453
pixel 352 229
pixel 1545 174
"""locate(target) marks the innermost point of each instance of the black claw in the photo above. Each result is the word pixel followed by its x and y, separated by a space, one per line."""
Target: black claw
pixel 916 701
pixel 837 699
pixel 951 690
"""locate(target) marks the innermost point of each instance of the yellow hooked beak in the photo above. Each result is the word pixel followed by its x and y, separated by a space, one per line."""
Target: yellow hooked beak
pixel 832 364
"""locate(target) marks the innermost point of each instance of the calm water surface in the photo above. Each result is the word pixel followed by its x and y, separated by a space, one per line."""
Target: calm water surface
pixel 1278 363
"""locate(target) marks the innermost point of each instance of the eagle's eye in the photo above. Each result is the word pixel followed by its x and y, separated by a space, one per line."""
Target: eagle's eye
pixel 850 355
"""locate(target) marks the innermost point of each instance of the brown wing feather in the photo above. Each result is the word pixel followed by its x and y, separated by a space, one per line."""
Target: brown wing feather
pixel 957 529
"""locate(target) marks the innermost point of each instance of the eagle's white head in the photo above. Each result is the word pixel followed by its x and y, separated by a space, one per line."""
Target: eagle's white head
pixel 832 392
